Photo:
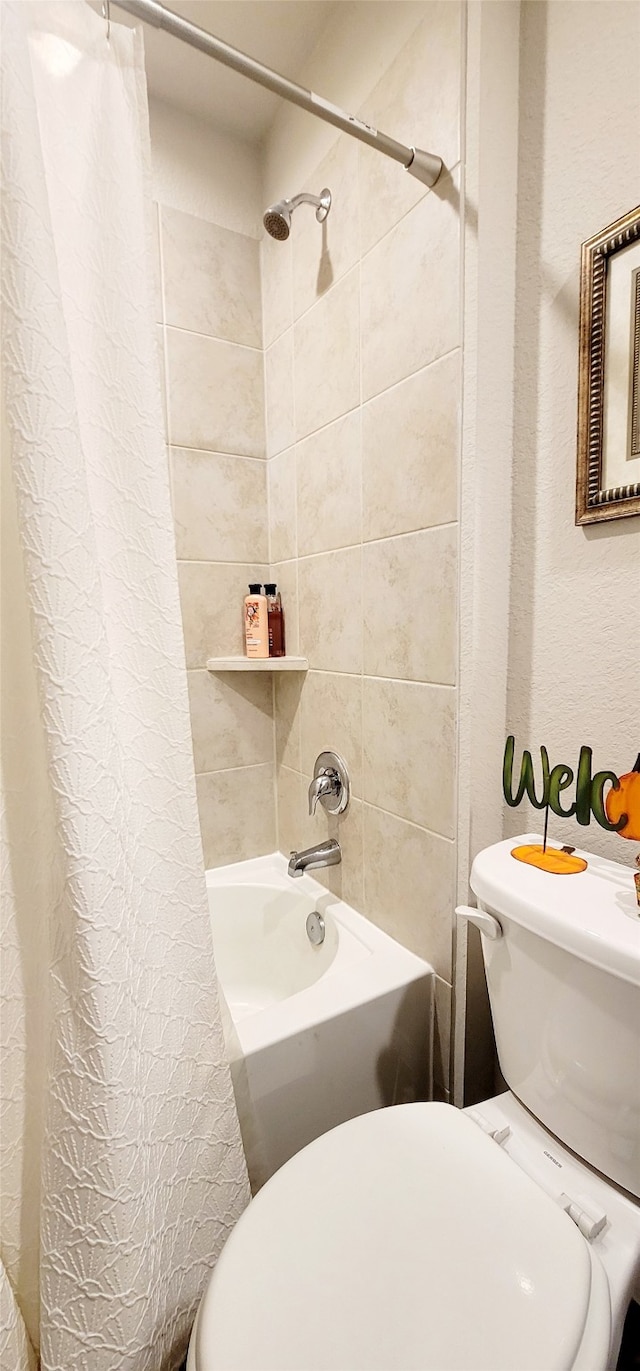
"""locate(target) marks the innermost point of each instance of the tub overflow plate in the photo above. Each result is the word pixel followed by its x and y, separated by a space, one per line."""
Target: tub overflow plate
pixel 315 928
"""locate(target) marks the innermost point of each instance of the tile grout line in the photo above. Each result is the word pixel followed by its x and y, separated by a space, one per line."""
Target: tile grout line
pixel 397 680
pixel 373 542
pixel 369 676
pixel 274 741
pixel 295 523
pixel 214 337
pixel 293 449
pixel 217 452
pixel 262 562
pixel 371 399
pixel 242 766
pixel 274 686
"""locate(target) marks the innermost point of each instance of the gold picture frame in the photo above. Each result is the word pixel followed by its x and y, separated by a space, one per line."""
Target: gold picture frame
pixel 609 374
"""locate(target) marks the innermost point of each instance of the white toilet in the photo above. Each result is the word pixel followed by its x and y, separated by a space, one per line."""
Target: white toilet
pixel 502 1238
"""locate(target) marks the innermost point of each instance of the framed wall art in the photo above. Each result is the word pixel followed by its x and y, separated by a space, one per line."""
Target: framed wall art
pixel 608 473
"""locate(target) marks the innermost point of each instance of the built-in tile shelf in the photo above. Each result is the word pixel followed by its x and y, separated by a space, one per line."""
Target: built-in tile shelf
pixel 257 664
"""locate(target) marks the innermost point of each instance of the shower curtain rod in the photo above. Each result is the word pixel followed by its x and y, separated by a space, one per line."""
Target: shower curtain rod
pixel 425 166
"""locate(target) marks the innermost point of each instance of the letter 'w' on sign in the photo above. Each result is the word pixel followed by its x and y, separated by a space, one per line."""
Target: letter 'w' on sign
pixel 527 783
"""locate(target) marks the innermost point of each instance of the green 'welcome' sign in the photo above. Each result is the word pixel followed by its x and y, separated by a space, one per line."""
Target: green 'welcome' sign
pixel 589 792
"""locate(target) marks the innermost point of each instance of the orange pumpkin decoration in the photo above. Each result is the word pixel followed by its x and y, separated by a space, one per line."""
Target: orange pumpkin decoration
pixel 626 800
pixel 551 859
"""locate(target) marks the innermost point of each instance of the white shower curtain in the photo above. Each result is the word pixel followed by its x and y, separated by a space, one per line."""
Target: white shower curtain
pixel 122 1168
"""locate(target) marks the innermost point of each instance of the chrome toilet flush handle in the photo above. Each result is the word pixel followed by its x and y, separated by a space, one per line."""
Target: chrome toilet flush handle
pixel 330 784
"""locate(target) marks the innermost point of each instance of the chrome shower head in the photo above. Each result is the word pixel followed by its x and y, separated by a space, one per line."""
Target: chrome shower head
pixel 277 218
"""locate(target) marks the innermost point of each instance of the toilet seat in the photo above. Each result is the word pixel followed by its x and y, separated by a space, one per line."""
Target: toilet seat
pixel 403 1238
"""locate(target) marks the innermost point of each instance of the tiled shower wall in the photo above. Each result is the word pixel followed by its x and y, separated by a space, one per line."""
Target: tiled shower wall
pixel 209 312
pixel 362 331
pixel 350 495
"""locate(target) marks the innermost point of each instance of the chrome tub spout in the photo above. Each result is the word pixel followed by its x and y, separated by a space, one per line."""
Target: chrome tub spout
pixel 323 854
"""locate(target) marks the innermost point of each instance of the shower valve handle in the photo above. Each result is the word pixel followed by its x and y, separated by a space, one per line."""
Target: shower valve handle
pixel 330 784
pixel 326 784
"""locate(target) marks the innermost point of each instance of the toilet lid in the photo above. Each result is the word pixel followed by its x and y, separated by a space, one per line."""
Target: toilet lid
pixel 405 1238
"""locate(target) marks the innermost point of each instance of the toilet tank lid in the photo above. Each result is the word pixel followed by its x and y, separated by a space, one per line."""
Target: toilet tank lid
pixel 594 914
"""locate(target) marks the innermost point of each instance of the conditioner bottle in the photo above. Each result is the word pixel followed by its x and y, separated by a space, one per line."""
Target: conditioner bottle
pixel 276 620
pixel 256 623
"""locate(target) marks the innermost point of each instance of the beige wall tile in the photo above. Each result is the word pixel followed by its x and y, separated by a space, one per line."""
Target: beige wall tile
pixel 330 590
pixel 211 599
pixel 211 279
pixel 405 472
pixel 216 395
pixel 331 719
pixel 288 690
pixel 296 830
pixel 282 506
pixel 327 358
pixel 418 99
pixel 237 814
pixel 277 289
pixel 329 487
pixel 279 394
pixel 285 574
pixel 409 733
pixel 323 253
pixel 219 506
pixel 410 293
pixel 292 809
pixel 231 719
pixel 409 885
pixel 410 448
pixel 346 880
pixel 410 606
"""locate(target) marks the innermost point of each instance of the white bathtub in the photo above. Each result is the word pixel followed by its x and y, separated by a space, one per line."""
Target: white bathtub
pixel 315 1035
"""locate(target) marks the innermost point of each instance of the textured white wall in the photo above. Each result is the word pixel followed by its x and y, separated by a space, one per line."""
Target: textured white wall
pixel 202 171
pixel 549 612
pixel 574 660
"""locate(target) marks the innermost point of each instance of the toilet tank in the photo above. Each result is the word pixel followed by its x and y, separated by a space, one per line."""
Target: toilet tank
pixel 564 986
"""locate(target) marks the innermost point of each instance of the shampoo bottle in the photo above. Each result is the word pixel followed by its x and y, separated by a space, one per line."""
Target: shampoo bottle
pixel 276 620
pixel 256 623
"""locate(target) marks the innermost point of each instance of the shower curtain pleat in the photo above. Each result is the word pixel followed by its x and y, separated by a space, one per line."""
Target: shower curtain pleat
pixel 120 1150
